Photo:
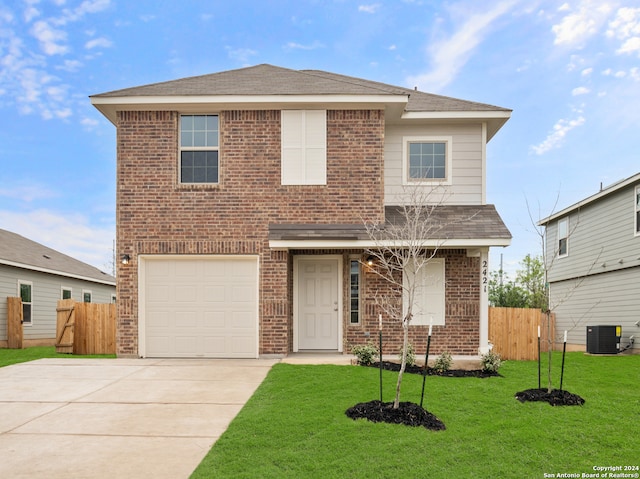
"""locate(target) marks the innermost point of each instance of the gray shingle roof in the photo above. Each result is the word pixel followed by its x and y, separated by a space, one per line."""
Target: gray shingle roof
pixel 19 251
pixel 272 80
pixel 450 222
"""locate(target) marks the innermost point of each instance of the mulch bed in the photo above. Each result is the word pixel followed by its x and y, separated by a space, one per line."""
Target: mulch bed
pixel 453 373
pixel 556 397
pixel 408 413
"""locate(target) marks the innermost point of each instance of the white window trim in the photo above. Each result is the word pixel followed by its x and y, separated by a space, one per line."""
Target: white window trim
pixel 360 289
pixel 300 135
pixel 636 209
pixel 196 148
pixel 437 314
pixel 65 288
pixel 448 140
pixel 558 237
pixel 30 283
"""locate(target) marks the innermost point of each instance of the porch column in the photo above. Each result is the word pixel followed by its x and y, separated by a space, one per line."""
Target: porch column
pixel 484 301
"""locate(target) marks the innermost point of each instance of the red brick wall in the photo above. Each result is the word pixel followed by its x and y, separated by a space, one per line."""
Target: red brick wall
pixel 460 334
pixel 156 215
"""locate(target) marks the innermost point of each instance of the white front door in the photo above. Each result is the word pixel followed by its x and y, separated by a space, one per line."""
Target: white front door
pixel 318 304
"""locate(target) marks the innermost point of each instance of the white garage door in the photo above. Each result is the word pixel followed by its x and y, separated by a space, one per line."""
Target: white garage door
pixel 199 306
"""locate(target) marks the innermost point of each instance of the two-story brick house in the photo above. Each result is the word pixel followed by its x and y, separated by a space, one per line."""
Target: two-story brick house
pixel 241 203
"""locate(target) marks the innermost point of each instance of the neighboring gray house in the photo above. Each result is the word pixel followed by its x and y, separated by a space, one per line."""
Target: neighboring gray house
pixel 593 258
pixel 42 276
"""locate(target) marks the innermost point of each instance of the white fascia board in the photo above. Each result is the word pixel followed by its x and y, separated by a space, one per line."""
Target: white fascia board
pixel 57 273
pixel 368 244
pixel 456 115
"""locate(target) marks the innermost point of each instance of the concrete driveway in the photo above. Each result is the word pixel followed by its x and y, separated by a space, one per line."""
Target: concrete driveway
pixel 118 418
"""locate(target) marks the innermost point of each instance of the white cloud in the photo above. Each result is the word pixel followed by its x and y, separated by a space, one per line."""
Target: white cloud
pixel 298 46
pixel 51 40
pixel 450 55
pixel 587 72
pixel 559 132
pixel 581 23
pixel 580 91
pixel 373 8
pixel 33 46
pixel 25 192
pixel 631 45
pixel 98 43
pixel 626 27
pixel 241 54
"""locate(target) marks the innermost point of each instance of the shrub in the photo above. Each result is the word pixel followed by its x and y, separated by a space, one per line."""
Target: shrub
pixel 491 362
pixel 411 355
pixel 443 362
pixel 365 353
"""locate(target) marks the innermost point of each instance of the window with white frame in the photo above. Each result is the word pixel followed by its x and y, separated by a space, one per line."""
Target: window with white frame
pixel 86 296
pixel 199 149
pixel 354 291
pixel 429 299
pixel 637 208
pixel 113 298
pixel 26 295
pixel 563 237
pixel 65 293
pixel 304 147
pixel 427 159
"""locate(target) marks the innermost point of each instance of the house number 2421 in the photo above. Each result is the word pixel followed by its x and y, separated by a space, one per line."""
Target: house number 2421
pixel 485 278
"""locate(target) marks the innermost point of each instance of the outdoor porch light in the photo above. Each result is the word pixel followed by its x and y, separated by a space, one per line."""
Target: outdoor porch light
pixel 125 258
pixel 370 260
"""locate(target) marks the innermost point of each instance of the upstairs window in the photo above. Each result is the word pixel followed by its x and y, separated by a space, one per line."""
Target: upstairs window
pixel 86 296
pixel 304 147
pixel 563 237
pixel 637 207
pixel 199 149
pixel 427 160
pixel 65 293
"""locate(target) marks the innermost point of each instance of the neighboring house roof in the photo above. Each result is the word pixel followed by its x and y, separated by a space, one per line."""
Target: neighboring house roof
pixel 454 226
pixel 262 84
pixel 591 199
pixel 20 252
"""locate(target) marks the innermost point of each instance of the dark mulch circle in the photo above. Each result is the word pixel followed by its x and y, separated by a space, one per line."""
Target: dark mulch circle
pixel 556 397
pixel 454 373
pixel 408 413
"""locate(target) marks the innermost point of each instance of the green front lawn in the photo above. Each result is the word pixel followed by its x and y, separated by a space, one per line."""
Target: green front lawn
pixel 14 356
pixel 295 425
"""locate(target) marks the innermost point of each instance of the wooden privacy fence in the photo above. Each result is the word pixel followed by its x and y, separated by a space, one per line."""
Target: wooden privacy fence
pixel 14 323
pixel 85 328
pixel 514 332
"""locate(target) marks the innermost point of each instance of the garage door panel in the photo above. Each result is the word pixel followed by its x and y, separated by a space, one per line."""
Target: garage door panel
pixel 201 307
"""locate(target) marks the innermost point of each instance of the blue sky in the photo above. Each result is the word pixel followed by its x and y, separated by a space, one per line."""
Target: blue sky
pixel 570 72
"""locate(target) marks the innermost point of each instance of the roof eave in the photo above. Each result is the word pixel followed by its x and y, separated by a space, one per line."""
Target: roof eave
pixel 580 204
pixel 495 119
pixel 109 106
pixel 369 244
pixel 56 272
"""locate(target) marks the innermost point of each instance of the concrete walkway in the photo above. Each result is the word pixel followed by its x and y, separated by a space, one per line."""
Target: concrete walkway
pixel 118 418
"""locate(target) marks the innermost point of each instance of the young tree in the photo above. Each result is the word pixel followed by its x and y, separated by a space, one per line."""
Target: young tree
pixel 526 291
pixel 404 246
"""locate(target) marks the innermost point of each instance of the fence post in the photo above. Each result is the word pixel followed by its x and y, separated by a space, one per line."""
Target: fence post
pixel 15 333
